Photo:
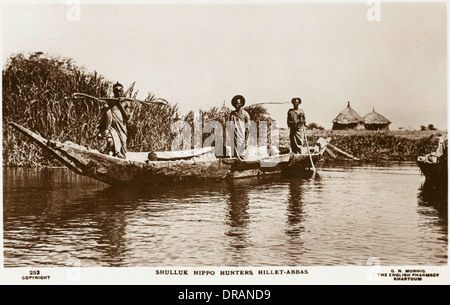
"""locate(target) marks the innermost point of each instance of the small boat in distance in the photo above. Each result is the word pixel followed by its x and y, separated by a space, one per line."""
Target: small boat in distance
pixel 153 168
pixel 434 166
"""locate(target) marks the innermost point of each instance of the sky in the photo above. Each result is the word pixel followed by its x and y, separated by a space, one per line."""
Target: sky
pixel 200 54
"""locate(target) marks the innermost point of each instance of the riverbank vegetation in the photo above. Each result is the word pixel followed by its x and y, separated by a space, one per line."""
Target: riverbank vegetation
pixel 376 146
pixel 37 94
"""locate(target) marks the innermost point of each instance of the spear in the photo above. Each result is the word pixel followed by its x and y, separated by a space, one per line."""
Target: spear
pixel 272 103
pixel 108 99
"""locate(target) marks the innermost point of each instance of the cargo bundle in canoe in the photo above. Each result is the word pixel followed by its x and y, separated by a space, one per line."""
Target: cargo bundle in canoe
pixel 144 168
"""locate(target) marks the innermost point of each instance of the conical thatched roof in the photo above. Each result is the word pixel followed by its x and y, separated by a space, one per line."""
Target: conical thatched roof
pixel 348 116
pixel 375 118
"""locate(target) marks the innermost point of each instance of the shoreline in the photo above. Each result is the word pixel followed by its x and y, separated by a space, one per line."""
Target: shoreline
pixel 375 146
pixel 367 146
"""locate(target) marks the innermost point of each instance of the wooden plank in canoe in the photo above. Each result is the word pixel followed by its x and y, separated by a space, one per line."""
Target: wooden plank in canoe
pixel 343 152
pixel 179 154
pixel 332 154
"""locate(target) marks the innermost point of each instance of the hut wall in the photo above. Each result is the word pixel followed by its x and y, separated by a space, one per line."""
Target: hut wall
pixel 377 126
pixel 356 126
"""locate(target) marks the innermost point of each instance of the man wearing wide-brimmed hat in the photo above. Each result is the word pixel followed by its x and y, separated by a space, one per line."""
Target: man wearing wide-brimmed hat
pixel 240 119
pixel 113 125
pixel 296 121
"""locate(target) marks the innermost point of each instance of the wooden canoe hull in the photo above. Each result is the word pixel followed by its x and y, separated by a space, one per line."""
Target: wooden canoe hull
pixel 116 171
pixel 436 173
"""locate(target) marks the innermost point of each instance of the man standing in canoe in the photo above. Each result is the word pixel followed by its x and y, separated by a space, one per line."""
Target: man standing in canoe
pixel 113 124
pixel 296 121
pixel 241 120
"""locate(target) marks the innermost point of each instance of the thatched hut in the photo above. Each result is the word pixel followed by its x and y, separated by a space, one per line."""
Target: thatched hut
pixel 375 121
pixel 348 119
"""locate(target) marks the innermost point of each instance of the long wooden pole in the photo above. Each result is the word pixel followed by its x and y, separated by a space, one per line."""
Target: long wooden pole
pixel 343 152
pixel 271 103
pixel 106 99
pixel 307 147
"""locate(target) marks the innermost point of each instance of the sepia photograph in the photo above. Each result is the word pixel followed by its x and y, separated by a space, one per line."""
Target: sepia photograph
pixel 224 142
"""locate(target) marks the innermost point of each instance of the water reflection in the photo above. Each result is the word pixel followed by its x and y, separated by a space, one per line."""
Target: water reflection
pixel 59 225
pixel 237 219
pixel 295 213
pixel 52 215
pixel 237 212
pixel 435 199
pixel 106 213
pixel 244 205
pixel 433 207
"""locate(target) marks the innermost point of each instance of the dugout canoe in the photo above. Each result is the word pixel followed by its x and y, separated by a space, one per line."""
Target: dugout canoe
pixel 144 168
pixel 435 170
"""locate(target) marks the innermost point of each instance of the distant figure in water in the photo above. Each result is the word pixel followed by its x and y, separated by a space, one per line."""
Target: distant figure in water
pixel 113 124
pixel 296 121
pixel 241 120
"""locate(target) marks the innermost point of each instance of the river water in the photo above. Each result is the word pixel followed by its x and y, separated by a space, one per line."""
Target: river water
pixel 344 215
